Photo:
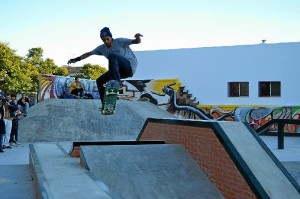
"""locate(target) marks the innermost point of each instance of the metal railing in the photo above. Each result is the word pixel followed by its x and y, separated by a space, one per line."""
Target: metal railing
pixel 280 123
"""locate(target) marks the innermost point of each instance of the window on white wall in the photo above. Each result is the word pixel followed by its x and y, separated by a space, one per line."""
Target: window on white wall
pixel 238 89
pixel 269 89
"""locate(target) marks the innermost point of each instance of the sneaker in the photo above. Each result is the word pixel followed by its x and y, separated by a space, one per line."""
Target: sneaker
pixel 25 115
pixel 1 151
pixel 7 147
pixel 17 143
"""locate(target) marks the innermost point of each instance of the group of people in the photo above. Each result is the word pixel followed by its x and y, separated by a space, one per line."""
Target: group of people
pixel 10 113
pixel 122 64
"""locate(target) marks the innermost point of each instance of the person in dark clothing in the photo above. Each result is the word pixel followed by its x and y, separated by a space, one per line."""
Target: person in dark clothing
pixel 121 59
pixel 15 114
pixel 23 104
pixel 2 132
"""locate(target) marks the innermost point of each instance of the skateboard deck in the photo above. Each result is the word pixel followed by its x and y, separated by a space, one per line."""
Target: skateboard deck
pixel 110 97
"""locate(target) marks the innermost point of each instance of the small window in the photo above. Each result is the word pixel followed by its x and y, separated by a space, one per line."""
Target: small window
pixel 238 89
pixel 269 89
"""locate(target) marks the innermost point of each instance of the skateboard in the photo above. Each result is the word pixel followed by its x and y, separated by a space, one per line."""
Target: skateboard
pixel 110 97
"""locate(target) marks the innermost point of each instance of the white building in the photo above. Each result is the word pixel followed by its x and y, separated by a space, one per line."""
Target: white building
pixel 263 74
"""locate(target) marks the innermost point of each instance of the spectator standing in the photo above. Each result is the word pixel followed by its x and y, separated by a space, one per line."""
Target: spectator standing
pixel 2 126
pixel 2 130
pixel 23 104
pixel 15 114
pixel 7 108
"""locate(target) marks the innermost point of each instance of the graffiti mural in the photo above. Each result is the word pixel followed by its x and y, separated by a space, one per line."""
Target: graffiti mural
pixel 51 86
pixel 258 116
pixel 170 95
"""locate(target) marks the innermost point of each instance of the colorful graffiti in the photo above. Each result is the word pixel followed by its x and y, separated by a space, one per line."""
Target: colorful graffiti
pixel 183 106
pixel 51 86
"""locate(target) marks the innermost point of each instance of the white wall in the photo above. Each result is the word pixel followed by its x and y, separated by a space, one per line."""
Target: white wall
pixel 206 71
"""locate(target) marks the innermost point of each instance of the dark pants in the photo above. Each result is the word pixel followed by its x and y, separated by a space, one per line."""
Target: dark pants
pixel 1 141
pixel 118 68
pixel 14 131
pixel 76 91
pixel 13 135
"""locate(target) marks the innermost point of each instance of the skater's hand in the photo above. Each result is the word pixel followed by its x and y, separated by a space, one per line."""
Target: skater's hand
pixel 137 39
pixel 71 61
pixel 137 35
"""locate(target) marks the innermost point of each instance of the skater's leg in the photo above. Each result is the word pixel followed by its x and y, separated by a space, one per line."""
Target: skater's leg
pixel 100 84
pixel 119 67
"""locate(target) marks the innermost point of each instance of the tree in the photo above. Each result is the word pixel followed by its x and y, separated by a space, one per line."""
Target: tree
pixel 16 75
pixel 47 67
pixel 35 56
pixel 62 71
pixel 92 71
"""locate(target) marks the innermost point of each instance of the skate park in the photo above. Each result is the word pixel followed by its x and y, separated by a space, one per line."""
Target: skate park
pixel 142 151
pixel 70 150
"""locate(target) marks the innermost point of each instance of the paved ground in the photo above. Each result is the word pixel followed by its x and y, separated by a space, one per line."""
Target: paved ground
pixel 15 177
pixel 289 156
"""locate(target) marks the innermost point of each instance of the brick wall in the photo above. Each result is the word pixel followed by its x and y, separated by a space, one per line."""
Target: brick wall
pixel 76 152
pixel 206 149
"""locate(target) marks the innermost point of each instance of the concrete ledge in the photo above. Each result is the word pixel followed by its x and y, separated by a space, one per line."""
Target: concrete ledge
pixel 58 175
pixel 41 186
pixel 75 148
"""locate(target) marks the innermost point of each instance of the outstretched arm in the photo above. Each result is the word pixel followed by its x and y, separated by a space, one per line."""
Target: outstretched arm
pixel 137 39
pixel 81 57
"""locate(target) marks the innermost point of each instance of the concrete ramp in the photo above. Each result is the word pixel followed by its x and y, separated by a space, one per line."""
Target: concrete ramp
pixel 230 153
pixel 269 174
pixel 148 171
pixel 80 120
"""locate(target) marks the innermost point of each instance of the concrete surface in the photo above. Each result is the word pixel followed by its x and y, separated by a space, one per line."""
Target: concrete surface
pixel 61 176
pixel 80 120
pixel 15 178
pixel 270 177
pixel 149 171
pixel 289 156
pixel 20 185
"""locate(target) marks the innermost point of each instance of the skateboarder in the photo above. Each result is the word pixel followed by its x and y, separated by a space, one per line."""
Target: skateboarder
pixel 122 62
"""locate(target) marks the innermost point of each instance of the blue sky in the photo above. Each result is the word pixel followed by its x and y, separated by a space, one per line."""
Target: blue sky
pixel 69 28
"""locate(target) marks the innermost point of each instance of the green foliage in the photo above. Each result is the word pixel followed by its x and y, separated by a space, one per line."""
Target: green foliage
pixel 47 67
pixel 16 75
pixel 20 74
pixel 35 56
pixel 92 71
pixel 62 71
